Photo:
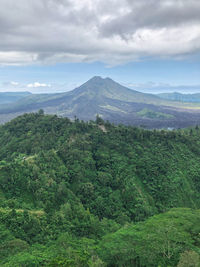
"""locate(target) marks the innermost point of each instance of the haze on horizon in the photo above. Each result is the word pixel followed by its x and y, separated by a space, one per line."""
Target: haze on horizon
pixel 55 45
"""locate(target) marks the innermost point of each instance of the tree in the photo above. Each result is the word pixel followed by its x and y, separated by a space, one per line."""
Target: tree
pixel 41 112
pixel 189 259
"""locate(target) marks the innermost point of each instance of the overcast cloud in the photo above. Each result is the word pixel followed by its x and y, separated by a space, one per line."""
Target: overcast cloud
pixel 110 31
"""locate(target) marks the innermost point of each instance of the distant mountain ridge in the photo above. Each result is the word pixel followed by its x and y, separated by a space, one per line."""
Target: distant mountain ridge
pixel 96 89
pixel 11 97
pixel 193 98
pixel 112 102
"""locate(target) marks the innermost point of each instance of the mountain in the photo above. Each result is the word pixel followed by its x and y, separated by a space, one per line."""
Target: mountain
pixel 194 98
pixel 112 102
pixel 10 97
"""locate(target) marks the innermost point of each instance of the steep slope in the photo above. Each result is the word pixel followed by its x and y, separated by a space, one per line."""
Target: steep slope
pixel 84 193
pixel 96 90
pixel 112 102
pixel 157 162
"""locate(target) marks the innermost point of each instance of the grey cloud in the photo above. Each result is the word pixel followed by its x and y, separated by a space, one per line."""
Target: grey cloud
pixel 112 31
pixel 153 14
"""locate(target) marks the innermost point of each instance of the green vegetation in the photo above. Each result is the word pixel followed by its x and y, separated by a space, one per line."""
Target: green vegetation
pixel 95 194
pixel 148 113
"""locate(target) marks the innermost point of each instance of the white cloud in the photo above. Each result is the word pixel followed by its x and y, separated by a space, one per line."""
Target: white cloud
pixel 111 31
pixel 37 84
pixel 14 83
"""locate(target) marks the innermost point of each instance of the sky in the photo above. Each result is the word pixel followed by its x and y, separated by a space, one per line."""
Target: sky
pixel 56 45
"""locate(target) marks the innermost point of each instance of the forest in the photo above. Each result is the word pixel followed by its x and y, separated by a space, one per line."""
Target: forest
pixel 94 194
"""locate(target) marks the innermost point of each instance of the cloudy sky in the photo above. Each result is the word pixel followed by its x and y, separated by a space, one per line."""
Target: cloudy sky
pixel 55 45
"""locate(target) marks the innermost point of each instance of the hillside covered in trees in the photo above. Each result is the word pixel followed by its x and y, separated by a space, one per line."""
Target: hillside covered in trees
pixel 96 194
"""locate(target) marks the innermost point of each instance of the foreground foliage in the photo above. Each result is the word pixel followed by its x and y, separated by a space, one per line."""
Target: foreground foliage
pixel 95 194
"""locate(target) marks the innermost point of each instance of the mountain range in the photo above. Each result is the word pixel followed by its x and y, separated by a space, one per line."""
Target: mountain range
pixel 11 97
pixel 193 98
pixel 111 101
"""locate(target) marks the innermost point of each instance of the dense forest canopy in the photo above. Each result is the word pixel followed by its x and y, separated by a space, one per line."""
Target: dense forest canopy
pixel 96 194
